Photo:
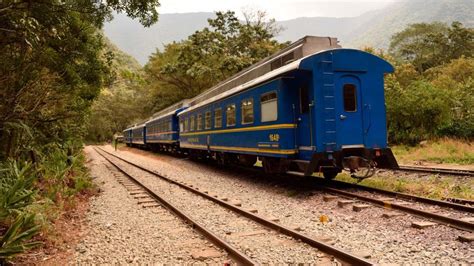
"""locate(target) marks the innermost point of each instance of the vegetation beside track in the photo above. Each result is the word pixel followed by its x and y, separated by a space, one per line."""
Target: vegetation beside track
pixel 53 65
pixel 430 186
pixel 436 151
pixel 34 195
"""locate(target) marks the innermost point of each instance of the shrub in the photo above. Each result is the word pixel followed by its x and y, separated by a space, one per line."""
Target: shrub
pixel 17 192
pixel 417 112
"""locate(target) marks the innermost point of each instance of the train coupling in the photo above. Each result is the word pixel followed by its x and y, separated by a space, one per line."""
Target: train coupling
pixel 359 167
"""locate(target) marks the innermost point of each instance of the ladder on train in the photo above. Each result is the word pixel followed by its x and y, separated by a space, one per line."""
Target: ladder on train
pixel 329 104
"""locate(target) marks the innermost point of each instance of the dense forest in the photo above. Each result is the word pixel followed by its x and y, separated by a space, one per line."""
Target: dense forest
pixel 63 83
pixel 53 65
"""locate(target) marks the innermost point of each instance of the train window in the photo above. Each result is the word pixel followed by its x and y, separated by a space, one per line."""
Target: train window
pixel 230 115
pixel 199 122
pixel 247 111
pixel 350 98
pixel 207 122
pixel 269 106
pixel 192 127
pixel 304 99
pixel 181 126
pixel 218 118
pixel 186 125
pixel 170 127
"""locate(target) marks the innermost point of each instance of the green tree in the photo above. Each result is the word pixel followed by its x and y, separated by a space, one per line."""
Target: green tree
pixel 123 101
pixel 428 45
pixel 213 54
pixel 52 67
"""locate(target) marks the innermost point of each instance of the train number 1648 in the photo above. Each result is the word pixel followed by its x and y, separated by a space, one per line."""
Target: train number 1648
pixel 274 137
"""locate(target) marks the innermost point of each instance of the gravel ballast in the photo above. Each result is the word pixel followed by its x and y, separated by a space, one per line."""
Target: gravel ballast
pixel 122 232
pixel 367 233
pixel 263 245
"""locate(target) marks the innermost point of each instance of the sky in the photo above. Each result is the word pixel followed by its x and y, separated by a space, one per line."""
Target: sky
pixel 278 9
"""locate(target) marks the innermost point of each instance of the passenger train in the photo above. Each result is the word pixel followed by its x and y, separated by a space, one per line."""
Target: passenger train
pixel 312 107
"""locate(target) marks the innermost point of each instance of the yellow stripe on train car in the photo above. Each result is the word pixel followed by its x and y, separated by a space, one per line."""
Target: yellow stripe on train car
pixel 256 128
pixel 227 148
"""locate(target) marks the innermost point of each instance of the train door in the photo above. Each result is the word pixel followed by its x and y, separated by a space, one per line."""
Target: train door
pixel 349 124
pixel 303 111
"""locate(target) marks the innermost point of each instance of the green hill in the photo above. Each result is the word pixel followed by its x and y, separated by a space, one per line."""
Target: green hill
pixel 372 28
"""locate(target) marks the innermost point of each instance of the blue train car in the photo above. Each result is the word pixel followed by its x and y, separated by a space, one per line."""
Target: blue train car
pixel 138 135
pixel 127 136
pixel 322 113
pixel 162 131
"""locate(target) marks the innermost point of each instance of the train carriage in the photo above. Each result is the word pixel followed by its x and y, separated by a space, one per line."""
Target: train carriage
pixel 127 136
pixel 322 113
pixel 138 133
pixel 311 107
pixel 162 131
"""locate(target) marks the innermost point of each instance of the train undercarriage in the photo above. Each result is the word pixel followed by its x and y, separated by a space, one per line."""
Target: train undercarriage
pixel 359 162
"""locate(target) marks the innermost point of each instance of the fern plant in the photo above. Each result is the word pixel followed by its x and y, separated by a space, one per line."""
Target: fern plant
pixel 16 188
pixel 16 193
pixel 15 240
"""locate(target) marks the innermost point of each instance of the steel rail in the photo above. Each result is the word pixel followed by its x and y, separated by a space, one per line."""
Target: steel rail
pixel 238 256
pixel 460 201
pixel 463 225
pixel 399 195
pixel 458 172
pixel 328 249
pixel 460 224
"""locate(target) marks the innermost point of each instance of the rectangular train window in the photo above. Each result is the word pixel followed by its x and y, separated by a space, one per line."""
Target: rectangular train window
pixel 199 122
pixel 230 115
pixel 247 111
pixel 350 98
pixel 207 122
pixel 269 106
pixel 218 118
pixel 170 127
pixel 186 125
pixel 192 127
pixel 181 126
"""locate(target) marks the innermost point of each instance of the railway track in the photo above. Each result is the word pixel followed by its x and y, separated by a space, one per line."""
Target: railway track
pixel 240 213
pixel 401 201
pixel 435 170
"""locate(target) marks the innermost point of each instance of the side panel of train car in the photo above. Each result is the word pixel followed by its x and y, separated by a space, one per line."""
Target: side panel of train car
pixel 162 133
pixel 322 113
pixel 238 125
pixel 139 135
pixel 127 136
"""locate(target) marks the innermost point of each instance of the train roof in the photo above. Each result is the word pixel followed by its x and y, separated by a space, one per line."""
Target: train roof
pixel 138 126
pixel 301 48
pixel 162 116
pixel 170 109
pixel 282 70
pixel 276 73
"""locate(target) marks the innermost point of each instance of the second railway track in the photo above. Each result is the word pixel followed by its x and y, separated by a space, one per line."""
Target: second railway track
pixel 436 170
pixel 456 215
pixel 241 228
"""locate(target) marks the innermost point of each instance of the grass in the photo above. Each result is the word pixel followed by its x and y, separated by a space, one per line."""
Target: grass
pixel 435 187
pixel 437 151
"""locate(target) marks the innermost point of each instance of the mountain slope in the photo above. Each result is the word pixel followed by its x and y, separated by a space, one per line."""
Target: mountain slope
pixel 140 42
pixel 373 28
pixel 396 17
